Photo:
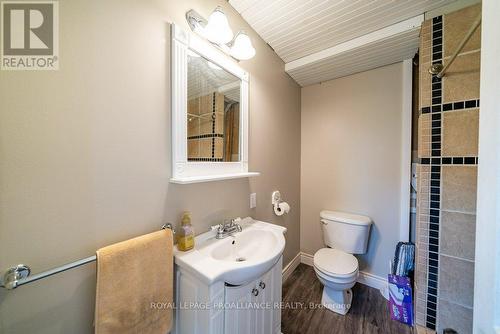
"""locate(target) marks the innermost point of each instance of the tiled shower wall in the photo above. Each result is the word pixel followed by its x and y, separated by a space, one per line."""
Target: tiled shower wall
pixel 206 128
pixel 447 171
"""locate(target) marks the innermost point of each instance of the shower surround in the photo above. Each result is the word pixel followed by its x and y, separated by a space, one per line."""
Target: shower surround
pixel 447 172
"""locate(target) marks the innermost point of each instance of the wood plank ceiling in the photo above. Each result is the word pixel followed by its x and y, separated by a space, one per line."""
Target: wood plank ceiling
pixel 299 28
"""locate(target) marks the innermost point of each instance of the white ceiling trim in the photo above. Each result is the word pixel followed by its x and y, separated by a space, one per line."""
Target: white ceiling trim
pixel 365 52
pixel 348 67
pixel 349 46
pixel 383 47
pixel 348 64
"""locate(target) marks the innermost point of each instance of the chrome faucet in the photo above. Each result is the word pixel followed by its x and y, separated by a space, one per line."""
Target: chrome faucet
pixel 228 227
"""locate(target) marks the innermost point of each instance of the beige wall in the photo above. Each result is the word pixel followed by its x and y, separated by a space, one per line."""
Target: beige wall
pixel 351 158
pixel 85 153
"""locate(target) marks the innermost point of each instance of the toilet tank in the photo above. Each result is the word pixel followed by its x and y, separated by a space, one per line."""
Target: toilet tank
pixel 345 231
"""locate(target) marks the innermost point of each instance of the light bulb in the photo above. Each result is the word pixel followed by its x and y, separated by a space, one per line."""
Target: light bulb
pixel 217 29
pixel 242 48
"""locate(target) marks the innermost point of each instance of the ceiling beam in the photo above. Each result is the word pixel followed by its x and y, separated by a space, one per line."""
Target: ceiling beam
pixel 381 34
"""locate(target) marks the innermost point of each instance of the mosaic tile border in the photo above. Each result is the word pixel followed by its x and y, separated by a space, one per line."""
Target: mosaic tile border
pixel 214 96
pixel 450 161
pixel 457 105
pixel 208 135
pixel 435 176
pixel 206 159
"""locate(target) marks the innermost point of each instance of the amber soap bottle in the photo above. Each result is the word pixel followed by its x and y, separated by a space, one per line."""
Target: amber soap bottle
pixel 185 237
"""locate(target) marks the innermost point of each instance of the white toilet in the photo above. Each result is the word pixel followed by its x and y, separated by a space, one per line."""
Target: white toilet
pixel 337 269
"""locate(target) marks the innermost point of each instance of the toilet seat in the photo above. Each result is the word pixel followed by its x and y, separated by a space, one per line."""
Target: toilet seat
pixel 336 264
pixel 332 279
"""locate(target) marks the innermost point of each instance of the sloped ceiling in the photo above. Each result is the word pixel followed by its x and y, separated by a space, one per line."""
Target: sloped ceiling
pixel 370 56
pixel 300 28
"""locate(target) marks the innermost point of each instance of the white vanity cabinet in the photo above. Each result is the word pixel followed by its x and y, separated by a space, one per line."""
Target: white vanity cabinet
pixel 254 307
pixel 251 308
pixel 231 285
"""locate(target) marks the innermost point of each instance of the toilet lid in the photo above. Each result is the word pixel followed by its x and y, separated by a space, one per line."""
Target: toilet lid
pixel 335 261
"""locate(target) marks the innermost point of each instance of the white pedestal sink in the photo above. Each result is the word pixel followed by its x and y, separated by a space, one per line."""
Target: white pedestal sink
pixel 242 268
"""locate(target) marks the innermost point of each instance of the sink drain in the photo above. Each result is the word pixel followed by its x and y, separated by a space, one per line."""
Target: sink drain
pixel 240 259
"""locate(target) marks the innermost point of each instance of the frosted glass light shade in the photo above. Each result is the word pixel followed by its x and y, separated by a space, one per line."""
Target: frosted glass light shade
pixel 217 29
pixel 242 48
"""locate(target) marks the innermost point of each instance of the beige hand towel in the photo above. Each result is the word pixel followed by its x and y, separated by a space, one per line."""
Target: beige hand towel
pixel 134 285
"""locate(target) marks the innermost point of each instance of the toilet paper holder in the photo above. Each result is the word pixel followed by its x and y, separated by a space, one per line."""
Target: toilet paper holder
pixel 276 197
pixel 280 207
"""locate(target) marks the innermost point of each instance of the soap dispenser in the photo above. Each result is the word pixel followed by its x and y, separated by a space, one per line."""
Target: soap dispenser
pixel 185 237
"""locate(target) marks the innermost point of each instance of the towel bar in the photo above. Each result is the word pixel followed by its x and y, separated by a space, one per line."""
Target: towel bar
pixel 20 274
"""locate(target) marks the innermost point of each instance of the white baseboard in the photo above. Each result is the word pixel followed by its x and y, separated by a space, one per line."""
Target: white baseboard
pixel 306 259
pixel 290 267
pixel 371 280
pixel 365 278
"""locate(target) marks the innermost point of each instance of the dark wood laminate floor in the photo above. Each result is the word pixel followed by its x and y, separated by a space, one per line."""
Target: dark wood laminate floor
pixel 369 312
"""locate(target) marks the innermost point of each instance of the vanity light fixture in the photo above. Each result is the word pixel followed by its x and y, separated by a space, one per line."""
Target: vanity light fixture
pixel 196 22
pixel 217 29
pixel 242 47
pixel 218 32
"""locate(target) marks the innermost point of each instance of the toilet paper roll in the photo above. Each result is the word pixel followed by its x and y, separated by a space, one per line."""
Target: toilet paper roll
pixel 281 209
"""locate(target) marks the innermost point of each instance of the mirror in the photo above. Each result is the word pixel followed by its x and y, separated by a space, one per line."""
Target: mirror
pixel 213 111
pixel 210 94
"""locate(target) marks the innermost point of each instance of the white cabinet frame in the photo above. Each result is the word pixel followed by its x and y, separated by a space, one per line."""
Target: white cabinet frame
pixel 184 171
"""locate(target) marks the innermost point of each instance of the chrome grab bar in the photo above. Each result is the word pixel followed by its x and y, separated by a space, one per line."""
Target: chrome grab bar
pixel 20 274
